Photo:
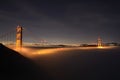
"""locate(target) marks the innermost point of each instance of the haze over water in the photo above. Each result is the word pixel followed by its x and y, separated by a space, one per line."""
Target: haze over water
pixel 78 63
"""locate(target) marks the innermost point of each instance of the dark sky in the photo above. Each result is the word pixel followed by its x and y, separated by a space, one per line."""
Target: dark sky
pixel 62 21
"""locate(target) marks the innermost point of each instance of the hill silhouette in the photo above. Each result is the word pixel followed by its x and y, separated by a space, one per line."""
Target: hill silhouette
pixel 14 66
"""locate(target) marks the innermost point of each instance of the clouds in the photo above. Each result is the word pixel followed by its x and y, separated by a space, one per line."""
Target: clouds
pixel 63 20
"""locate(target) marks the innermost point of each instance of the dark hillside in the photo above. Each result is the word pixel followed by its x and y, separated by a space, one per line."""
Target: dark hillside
pixel 14 66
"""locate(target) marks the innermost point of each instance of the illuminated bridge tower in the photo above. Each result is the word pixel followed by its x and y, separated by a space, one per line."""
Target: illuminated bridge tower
pixel 19 37
pixel 99 42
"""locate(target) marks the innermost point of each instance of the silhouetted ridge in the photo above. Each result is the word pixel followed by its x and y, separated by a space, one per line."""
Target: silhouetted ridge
pixel 6 52
pixel 14 66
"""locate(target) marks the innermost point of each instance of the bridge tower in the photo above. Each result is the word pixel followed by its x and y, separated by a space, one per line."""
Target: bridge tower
pixel 99 42
pixel 19 37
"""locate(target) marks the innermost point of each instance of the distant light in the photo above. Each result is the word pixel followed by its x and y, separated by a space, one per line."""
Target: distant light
pixel 100 47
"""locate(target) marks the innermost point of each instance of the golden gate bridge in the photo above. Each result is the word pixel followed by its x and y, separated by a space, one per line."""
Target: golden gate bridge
pixel 15 38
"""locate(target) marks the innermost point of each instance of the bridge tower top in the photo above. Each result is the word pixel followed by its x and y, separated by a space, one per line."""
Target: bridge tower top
pixel 99 42
pixel 19 37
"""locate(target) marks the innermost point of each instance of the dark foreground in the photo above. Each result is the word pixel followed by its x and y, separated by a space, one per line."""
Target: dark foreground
pixel 95 64
pixel 14 66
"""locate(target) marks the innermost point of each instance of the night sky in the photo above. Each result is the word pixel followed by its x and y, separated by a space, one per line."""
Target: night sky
pixel 62 21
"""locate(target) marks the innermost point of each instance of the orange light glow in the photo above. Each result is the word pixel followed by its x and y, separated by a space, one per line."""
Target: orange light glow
pixel 47 51
pixel 100 47
pixel 31 52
